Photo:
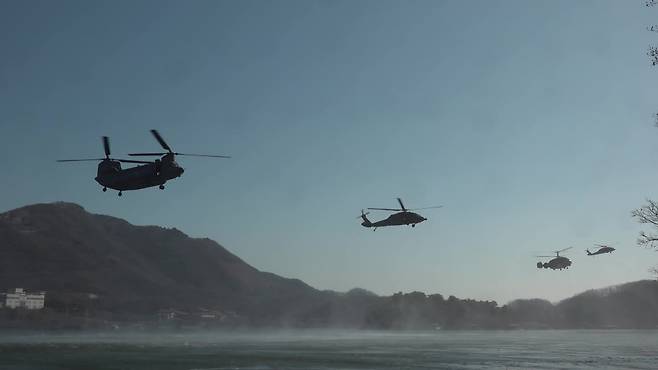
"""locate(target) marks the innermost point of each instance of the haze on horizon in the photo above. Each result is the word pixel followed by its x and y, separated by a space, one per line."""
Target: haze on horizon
pixel 530 122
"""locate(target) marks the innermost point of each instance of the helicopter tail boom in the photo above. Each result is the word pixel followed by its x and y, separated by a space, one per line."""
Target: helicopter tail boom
pixel 366 222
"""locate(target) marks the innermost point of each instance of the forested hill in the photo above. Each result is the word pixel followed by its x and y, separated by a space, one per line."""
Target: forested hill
pixel 104 267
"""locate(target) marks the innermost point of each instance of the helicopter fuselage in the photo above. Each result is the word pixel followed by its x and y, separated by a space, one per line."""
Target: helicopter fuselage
pixel 396 219
pixel 601 250
pixel 111 175
pixel 557 263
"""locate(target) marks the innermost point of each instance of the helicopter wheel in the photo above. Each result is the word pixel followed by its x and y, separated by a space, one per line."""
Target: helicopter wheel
pixel 104 190
pixel 161 187
pixel 413 225
pixel 120 193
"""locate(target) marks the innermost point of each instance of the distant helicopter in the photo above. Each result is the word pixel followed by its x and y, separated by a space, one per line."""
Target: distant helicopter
pixel 402 217
pixel 557 263
pixel 602 250
pixel 149 174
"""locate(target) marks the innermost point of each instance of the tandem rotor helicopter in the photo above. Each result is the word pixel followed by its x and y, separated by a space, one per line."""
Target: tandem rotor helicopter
pixel 557 263
pixel 149 174
pixel 402 217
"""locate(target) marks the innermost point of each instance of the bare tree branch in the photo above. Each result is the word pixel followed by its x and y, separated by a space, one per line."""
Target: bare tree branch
pixel 648 214
pixel 652 53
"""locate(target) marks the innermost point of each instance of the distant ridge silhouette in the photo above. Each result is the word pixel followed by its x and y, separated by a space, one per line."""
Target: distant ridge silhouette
pixel 135 271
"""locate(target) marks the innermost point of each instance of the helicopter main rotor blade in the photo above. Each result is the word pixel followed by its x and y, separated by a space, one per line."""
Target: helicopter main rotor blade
pixel 385 209
pixel 204 155
pixel 80 160
pixel 545 256
pixel 402 205
pixel 133 161
pixel 160 140
pixel 147 154
pixel 418 209
pixel 187 154
pixel 106 146
pixel 562 250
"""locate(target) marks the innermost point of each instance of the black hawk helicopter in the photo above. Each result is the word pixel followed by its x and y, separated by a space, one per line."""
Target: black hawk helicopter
pixel 602 250
pixel 149 174
pixel 402 217
pixel 557 263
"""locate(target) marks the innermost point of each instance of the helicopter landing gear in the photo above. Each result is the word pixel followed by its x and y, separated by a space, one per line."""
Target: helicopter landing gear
pixel 104 189
pixel 161 187
pixel 120 193
pixel 413 225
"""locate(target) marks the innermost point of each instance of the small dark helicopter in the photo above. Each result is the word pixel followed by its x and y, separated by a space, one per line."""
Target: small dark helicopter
pixel 149 174
pixel 602 250
pixel 402 217
pixel 557 263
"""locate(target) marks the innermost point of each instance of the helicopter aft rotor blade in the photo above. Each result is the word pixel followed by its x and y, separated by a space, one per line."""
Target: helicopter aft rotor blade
pixel 402 205
pixel 176 153
pixel 204 155
pixel 106 146
pixel 147 154
pixel 166 147
pixel 132 161
pixel 160 140
pixel 419 209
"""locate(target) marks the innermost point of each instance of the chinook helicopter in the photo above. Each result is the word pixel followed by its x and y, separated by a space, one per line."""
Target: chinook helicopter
pixel 557 263
pixel 403 216
pixel 149 174
pixel 602 250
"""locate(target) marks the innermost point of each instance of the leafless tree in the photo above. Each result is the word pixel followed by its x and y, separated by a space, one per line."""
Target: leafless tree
pixel 648 214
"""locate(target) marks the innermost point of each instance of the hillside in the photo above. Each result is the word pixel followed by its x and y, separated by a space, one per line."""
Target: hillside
pixel 69 252
pixel 104 268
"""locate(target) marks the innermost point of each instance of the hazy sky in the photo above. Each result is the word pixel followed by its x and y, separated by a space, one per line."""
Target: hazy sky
pixel 530 121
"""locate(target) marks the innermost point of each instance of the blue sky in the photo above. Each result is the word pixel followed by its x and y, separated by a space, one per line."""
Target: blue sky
pixel 530 121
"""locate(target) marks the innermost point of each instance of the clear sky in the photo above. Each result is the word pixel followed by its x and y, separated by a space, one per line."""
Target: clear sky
pixel 531 122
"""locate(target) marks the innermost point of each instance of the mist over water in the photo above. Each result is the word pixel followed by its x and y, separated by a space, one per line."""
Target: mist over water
pixel 333 349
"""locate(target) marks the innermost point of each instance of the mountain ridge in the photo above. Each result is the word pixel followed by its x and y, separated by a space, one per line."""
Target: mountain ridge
pixel 136 271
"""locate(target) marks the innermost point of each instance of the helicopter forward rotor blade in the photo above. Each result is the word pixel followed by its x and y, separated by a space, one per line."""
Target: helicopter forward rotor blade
pixel 160 140
pixel 106 146
pixel 386 209
pixel 81 160
pixel 204 155
pixel 402 205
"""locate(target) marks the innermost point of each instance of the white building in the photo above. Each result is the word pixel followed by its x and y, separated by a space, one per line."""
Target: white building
pixel 22 299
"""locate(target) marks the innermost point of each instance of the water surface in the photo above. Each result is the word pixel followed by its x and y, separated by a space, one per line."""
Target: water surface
pixel 617 349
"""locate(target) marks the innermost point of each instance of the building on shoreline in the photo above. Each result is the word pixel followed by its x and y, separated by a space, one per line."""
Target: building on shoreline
pixel 19 298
